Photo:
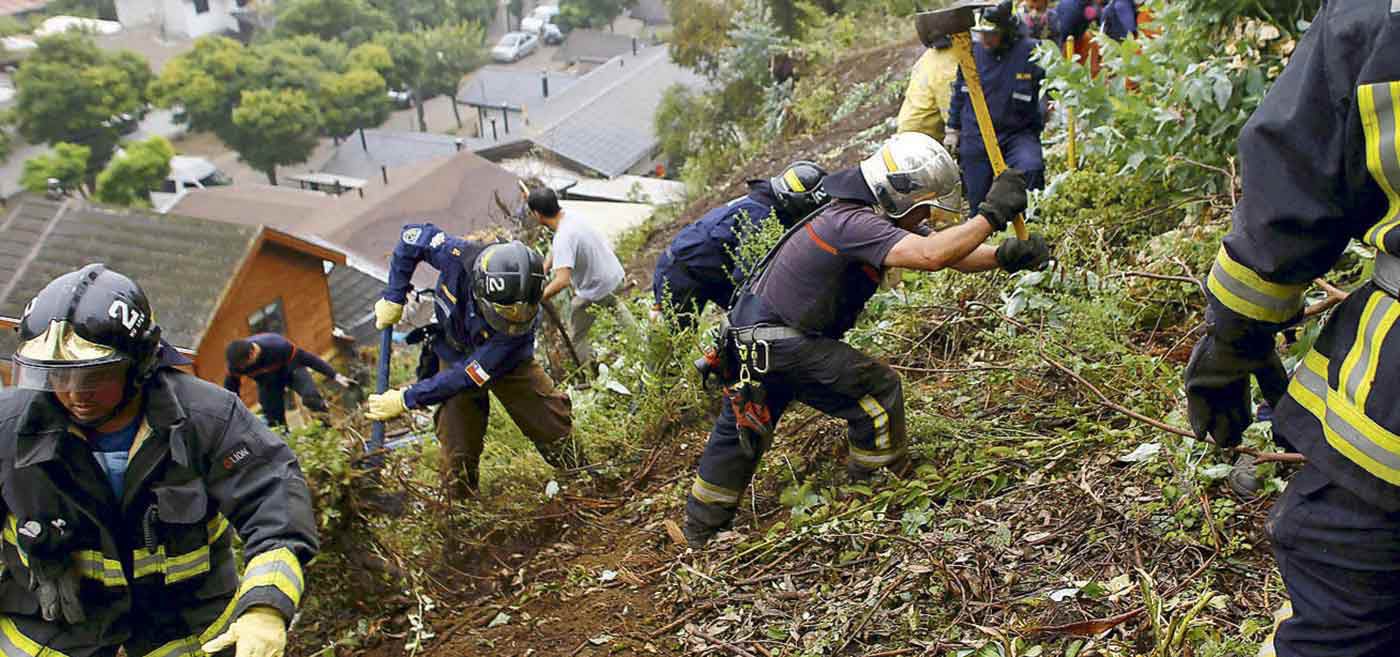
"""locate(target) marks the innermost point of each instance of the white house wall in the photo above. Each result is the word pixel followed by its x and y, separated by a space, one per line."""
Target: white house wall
pixel 177 18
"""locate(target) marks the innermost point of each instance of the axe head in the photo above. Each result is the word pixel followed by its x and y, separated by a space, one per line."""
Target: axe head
pixel 955 19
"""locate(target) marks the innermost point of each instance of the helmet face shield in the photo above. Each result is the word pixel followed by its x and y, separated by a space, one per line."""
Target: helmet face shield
pixel 516 313
pixel 66 378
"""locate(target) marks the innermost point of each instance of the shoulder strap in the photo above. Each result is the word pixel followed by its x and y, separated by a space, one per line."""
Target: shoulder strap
pixel 761 269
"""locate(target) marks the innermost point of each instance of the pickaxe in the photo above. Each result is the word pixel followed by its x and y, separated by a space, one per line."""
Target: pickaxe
pixel 955 22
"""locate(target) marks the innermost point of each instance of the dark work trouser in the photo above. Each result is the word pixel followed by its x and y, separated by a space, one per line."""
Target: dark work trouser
pixel 543 414
pixel 1022 151
pixel 1340 560
pixel 828 375
pixel 272 395
pixel 676 288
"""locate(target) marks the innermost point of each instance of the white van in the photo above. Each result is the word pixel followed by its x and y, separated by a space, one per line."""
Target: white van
pixel 188 173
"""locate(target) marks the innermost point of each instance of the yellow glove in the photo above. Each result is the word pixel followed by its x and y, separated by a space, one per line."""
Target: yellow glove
pixel 259 632
pixel 386 406
pixel 387 313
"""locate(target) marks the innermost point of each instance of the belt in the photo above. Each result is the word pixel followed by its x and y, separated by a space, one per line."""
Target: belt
pixel 751 335
pixel 1387 273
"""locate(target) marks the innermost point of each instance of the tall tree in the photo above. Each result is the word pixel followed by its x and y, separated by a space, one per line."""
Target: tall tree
pixel 70 91
pixel 432 62
pixel 138 169
pixel 591 13
pixel 411 15
pixel 275 127
pixel 352 21
pixel 66 163
pixel 372 57
pixel 701 33
pixel 353 100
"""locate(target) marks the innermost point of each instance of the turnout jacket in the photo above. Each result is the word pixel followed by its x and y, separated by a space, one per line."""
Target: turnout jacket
pixel 470 351
pixel 157 566
pixel 1320 167
pixel 277 357
pixel 704 250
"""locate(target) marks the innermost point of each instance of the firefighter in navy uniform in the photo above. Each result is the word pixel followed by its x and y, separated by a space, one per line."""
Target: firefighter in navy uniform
pixel 784 337
pixel 123 481
pixel 1011 83
pixel 698 267
pixel 275 364
pixel 487 307
pixel 1320 167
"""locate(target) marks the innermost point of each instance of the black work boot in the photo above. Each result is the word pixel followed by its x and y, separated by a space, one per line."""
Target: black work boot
pixel 1243 478
pixel 900 469
pixel 697 535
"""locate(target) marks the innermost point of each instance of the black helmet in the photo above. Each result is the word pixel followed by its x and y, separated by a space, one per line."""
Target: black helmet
pixel 507 282
pixel 83 329
pixel 799 189
pixel 1000 19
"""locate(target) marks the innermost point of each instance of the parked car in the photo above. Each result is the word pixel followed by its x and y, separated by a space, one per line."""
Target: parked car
pixel 541 16
pixel 401 98
pixel 188 173
pixel 515 45
pixel 553 35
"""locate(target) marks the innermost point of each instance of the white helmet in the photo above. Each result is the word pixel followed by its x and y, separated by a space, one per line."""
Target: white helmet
pixel 911 170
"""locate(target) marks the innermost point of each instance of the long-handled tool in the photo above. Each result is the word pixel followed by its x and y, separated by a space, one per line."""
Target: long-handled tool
pixel 956 22
pixel 376 430
pixel 1069 116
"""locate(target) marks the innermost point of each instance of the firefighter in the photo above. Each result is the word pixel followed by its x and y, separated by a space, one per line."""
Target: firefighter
pixel 1011 84
pixel 123 482
pixel 487 310
pixel 276 364
pixel 698 266
pixel 784 339
pixel 1336 529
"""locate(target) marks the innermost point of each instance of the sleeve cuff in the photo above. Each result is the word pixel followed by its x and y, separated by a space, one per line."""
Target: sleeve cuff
pixel 272 579
pixel 1246 293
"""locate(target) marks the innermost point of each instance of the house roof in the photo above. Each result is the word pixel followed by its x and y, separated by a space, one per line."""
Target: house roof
pixel 387 148
pixel 462 194
pixel 638 189
pixel 611 131
pixel 593 46
pixel 354 289
pixel 15 7
pixel 513 88
pixel 253 204
pixel 184 264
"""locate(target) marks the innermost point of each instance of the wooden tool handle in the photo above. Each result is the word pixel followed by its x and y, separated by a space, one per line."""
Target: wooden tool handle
pixel 962 47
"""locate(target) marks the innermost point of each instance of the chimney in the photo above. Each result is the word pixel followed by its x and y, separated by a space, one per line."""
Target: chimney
pixel 544 83
pixel 634 46
pixel 384 171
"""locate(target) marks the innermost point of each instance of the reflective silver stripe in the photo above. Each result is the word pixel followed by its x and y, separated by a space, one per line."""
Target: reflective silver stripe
pixel 1387 272
pixel 1022 97
pixel 875 459
pixel 1368 342
pixel 1338 425
pixel 13 643
pixel 1278 307
pixel 712 494
pixel 1390 159
pixel 177 569
pixel 275 566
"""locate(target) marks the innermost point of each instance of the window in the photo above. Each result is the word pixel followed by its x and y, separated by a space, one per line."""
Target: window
pixel 201 6
pixel 268 319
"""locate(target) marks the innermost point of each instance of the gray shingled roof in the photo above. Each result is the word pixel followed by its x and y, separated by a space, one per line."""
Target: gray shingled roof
pixel 354 289
pixel 387 148
pixel 611 131
pixel 183 264
pixel 494 87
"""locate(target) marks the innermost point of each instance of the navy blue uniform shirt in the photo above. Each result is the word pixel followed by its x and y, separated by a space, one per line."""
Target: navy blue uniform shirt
pixel 277 357
pixel 1011 84
pixel 472 352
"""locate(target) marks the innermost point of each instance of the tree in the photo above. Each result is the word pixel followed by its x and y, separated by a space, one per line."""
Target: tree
pixel 372 57
pixel 701 33
pixel 515 9
pixel 353 100
pixel 352 21
pixel 432 62
pixel 410 15
pixel 131 176
pixel 275 127
pixel 70 91
pixel 68 163
pixel 592 13
pixel 330 55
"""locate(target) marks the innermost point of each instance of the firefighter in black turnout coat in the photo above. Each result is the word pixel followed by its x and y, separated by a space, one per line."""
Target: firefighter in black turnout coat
pixel 123 481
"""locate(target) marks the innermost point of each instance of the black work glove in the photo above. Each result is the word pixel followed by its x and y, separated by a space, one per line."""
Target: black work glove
pixel 53 577
pixel 1005 200
pixel 1017 254
pixel 1217 377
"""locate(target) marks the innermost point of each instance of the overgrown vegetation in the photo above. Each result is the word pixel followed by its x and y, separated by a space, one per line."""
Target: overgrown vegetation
pixel 1041 519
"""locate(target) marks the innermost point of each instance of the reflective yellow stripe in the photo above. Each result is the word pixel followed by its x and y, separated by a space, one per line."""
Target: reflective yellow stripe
pixel 880 419
pixel 712 494
pixel 1376 103
pixel 794 183
pixel 95 565
pixel 1359 367
pixel 14 643
pixel 874 460
pixel 1366 443
pixel 890 165
pixel 181 566
pixel 448 293
pixel 220 624
pixel 1248 294
pixel 278 568
pixel 12 537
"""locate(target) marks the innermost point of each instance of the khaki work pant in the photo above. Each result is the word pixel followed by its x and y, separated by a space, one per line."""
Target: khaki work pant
pixel 543 414
pixel 582 315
